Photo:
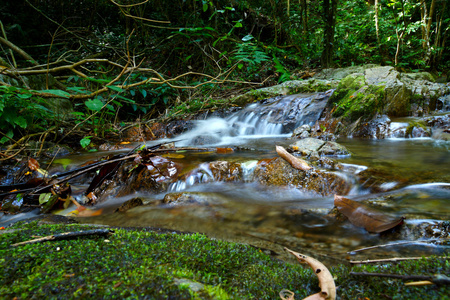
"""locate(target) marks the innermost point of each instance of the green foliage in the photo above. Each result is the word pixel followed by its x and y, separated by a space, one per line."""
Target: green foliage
pixel 20 110
pixel 285 75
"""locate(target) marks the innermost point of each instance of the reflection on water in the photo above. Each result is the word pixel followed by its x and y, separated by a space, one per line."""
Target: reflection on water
pixel 276 217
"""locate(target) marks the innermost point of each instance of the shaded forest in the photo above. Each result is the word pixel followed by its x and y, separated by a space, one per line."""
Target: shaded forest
pixel 116 61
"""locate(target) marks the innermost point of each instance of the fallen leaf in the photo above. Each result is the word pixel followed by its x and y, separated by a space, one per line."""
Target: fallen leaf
pixel 173 155
pixel 362 215
pixel 33 164
pixel 225 150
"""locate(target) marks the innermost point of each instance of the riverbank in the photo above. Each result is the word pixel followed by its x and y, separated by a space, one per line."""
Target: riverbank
pixel 152 263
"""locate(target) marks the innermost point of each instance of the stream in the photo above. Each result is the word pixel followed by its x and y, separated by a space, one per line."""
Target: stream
pixel 410 178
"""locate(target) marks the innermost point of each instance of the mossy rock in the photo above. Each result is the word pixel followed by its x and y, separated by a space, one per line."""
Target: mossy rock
pixel 149 263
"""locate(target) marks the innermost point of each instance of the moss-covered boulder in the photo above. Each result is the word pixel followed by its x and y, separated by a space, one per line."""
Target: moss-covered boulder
pixel 311 85
pixel 360 97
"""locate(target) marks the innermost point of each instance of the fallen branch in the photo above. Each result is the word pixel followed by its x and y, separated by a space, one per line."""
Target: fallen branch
pixel 67 236
pixel 295 162
pixel 438 279
pixel 391 244
pixel 326 281
pixel 394 259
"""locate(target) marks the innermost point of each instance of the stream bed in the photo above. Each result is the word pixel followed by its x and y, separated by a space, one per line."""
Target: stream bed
pixel 406 177
pixel 410 175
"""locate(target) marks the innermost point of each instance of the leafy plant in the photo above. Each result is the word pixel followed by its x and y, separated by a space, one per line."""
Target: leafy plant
pixel 20 110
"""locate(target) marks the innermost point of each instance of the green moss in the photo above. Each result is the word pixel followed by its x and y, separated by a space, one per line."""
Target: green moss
pixel 414 124
pixel 352 99
pixel 139 263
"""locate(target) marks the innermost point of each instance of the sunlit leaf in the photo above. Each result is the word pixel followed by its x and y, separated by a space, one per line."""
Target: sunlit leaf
pixel 247 38
pixel 44 198
pixel 84 142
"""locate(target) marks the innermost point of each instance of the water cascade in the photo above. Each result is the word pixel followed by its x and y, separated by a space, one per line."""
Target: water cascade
pixel 269 118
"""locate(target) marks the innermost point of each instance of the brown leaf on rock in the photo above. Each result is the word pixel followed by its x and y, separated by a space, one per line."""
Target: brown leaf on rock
pixel 33 164
pixel 362 215
pixel 224 150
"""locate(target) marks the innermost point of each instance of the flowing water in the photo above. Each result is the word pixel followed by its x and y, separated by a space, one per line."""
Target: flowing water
pixel 410 178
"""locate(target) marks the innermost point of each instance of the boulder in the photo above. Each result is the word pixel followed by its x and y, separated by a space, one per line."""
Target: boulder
pixel 387 91
pixel 278 172
pixel 312 147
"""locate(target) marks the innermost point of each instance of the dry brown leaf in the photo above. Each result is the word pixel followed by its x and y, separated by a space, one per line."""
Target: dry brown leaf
pixel 33 164
pixel 362 215
pixel 326 281
pixel 287 295
pixel 224 150
pixel 295 162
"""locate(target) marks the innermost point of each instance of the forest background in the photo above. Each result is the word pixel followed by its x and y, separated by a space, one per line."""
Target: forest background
pixel 113 62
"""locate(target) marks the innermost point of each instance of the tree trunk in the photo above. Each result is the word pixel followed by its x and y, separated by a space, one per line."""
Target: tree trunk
pixel 329 14
pixel 427 20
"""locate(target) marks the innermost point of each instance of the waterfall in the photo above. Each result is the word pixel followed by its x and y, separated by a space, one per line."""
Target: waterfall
pixel 268 118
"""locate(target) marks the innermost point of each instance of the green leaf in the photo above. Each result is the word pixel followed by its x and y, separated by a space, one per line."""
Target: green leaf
pixel 205 7
pixel 24 96
pixel 78 89
pixel 5 138
pixel 58 93
pixel 125 98
pixel 115 88
pixel 247 38
pixel 84 142
pixel 63 161
pixel 94 104
pixel 144 93
pixel 19 120
pixel 44 198
pixel 132 92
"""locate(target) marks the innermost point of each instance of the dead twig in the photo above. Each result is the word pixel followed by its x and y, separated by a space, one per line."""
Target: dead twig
pixel 438 279
pixel 394 259
pixel 295 162
pixel 326 281
pixel 67 236
pixel 391 244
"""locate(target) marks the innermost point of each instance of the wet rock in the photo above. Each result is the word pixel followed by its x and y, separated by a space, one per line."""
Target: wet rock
pixel 310 85
pixel 424 229
pixel 443 103
pixel 134 202
pixel 186 198
pixel 378 128
pixel 313 147
pixel 154 176
pixel 302 132
pixel 307 146
pixel 442 122
pixel 385 91
pixel 279 172
pixel 226 171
